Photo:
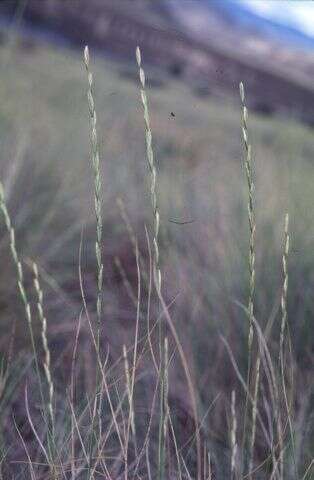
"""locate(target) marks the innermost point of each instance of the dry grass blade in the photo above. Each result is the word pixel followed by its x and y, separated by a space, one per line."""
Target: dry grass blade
pixel 131 381
pixel 34 429
pixel 31 468
pixel 189 383
pixel 308 470
pixel 128 387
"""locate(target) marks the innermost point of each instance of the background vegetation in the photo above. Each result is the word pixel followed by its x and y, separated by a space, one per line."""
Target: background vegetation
pixel 204 240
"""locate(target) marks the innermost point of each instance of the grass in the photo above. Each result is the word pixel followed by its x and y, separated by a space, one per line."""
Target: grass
pixel 195 373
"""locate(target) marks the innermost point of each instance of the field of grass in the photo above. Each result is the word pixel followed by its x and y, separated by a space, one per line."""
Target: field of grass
pixel 203 240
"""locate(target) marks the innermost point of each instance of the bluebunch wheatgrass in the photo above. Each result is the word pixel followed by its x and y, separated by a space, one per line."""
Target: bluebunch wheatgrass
pixel 153 172
pixel 284 293
pixel 251 214
pixel 20 282
pixel 156 262
pixel 47 361
pixel 110 446
pixel 17 262
pixel 126 282
pixel 131 235
pixel 46 365
pixel 284 317
pixel 97 188
pixel 98 244
pixel 252 228
pixel 176 447
pixel 24 297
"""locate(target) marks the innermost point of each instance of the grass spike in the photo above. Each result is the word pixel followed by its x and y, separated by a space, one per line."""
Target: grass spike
pixel 153 172
pixel 47 359
pixel 252 228
pixel 97 188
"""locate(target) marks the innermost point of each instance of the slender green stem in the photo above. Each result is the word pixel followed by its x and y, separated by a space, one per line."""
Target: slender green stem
pixel 156 262
pixel 99 227
pixel 97 188
pixel 252 227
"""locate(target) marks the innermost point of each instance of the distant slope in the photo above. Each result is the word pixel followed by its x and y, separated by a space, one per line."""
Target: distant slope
pixel 212 59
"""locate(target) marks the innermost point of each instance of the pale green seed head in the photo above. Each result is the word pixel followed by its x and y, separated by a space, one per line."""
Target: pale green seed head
pixel 86 55
pixel 138 56
pixel 242 94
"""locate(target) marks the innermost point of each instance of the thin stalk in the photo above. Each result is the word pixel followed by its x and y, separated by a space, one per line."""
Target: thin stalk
pixel 252 228
pixel 284 318
pixel 153 172
pixel 156 262
pixel 99 227
pixel 97 188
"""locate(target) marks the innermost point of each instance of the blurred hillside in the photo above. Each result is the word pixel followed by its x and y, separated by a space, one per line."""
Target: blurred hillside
pixel 205 47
